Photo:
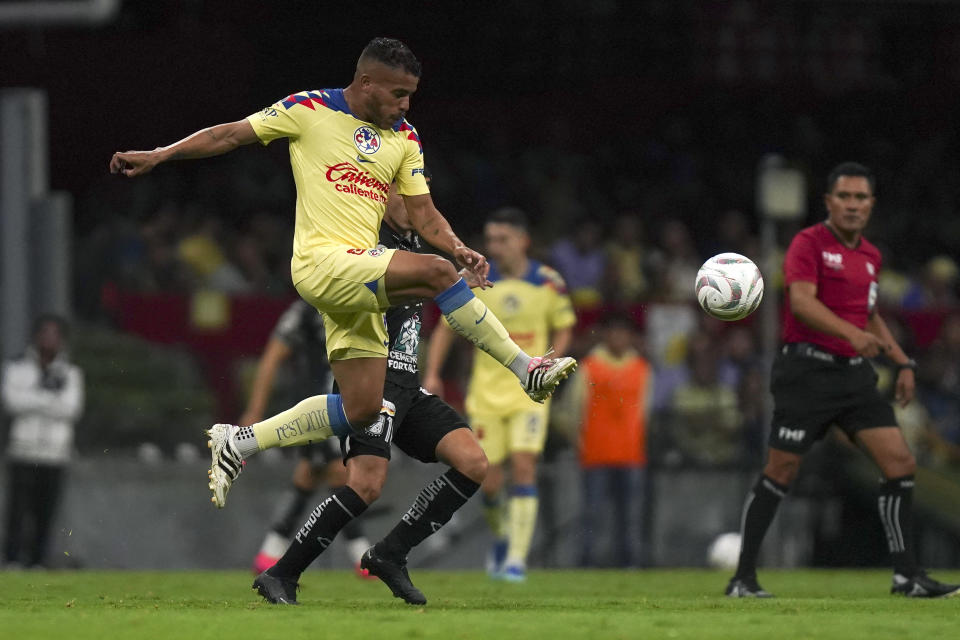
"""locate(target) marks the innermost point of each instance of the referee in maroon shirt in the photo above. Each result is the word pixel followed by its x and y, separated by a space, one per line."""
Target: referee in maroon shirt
pixel 822 376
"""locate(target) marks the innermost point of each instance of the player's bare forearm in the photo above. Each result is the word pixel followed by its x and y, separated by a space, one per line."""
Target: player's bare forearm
pixel 276 352
pixel 812 312
pixel 431 225
pixel 560 340
pixel 440 341
pixel 212 141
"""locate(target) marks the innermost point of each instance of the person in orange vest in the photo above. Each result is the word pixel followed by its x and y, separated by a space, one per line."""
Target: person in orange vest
pixel 613 390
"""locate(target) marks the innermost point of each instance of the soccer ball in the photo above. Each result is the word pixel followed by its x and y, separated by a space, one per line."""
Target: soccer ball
pixel 729 286
pixel 724 551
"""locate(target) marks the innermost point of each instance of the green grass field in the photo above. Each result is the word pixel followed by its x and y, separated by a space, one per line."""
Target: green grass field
pixel 552 604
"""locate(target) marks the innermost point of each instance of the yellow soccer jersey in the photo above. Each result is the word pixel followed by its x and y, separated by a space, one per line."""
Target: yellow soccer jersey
pixel 343 168
pixel 529 308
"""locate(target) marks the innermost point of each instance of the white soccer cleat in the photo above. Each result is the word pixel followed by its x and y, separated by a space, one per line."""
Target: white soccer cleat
pixel 544 374
pixel 226 463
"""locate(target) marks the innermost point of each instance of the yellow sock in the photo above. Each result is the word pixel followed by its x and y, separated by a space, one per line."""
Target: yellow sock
pixel 523 520
pixel 470 318
pixel 312 420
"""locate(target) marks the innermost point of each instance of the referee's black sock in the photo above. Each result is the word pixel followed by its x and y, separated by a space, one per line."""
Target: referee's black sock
pixel 433 508
pixel 318 531
pixel 291 506
pixel 896 514
pixel 758 512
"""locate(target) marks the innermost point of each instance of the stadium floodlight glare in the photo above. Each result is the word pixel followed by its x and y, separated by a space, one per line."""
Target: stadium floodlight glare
pixel 781 189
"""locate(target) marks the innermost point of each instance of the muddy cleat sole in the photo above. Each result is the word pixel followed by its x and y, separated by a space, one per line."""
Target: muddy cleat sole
pixel 276 590
pixel 746 588
pixel 226 463
pixel 394 575
pixel 922 586
pixel 544 374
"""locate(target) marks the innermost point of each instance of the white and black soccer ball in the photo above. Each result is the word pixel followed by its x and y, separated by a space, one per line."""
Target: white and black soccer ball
pixel 724 551
pixel 729 286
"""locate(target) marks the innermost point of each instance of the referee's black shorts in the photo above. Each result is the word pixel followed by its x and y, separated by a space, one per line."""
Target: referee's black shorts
pixel 419 422
pixel 813 390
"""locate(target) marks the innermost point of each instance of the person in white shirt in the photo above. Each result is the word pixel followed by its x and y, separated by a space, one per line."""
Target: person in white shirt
pixel 42 392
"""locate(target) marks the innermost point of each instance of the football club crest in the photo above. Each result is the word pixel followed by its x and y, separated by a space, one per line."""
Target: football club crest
pixel 367 140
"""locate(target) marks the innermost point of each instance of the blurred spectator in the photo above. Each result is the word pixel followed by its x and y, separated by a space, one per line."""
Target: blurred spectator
pixel 202 252
pixel 43 393
pixel 581 261
pixel 675 264
pixel 706 423
pixel 613 388
pixel 626 258
pixel 734 235
pixel 939 380
pixel 937 288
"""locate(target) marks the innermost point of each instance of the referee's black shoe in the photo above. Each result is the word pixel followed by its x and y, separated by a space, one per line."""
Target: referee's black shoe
pixel 275 589
pixel 394 575
pixel 746 588
pixel 922 586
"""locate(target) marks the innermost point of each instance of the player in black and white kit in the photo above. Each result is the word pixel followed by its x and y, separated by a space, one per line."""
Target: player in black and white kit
pixel 298 341
pixel 419 424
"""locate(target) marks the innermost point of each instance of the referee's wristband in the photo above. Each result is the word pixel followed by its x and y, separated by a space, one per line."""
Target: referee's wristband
pixel 909 364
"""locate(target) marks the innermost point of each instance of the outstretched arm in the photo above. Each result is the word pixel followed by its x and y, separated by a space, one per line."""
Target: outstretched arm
pixel 212 141
pixel 434 228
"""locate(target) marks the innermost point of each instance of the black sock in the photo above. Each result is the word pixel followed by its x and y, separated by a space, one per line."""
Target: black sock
pixel 896 514
pixel 289 510
pixel 433 508
pixel 318 531
pixel 758 512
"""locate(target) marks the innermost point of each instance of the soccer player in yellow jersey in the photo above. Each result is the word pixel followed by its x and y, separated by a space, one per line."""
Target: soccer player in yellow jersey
pixel 531 300
pixel 346 147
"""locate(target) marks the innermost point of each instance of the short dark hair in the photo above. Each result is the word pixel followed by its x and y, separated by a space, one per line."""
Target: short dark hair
pixel 849 169
pixel 392 53
pixel 510 215
pixel 50 318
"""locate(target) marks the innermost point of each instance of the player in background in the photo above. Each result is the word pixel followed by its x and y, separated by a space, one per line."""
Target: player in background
pixel 422 426
pixel 822 376
pixel 298 341
pixel 531 300
pixel 347 146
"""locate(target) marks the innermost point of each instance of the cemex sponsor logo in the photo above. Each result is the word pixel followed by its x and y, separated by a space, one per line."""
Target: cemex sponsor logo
pixel 796 435
pixel 426 496
pixel 348 178
pixel 833 260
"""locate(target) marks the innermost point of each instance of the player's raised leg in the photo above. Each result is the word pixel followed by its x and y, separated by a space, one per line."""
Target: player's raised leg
pixel 412 276
pixel 311 420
